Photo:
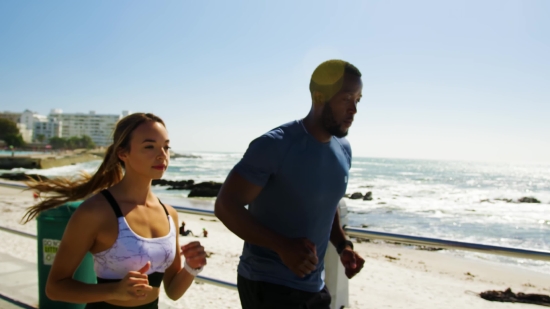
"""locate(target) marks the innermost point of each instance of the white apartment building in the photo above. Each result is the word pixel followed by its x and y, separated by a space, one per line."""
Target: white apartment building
pixel 49 128
pixel 29 118
pixel 26 133
pixel 99 127
pixel 33 121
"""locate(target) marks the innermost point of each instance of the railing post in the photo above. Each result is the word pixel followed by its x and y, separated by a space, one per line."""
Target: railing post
pixel 335 276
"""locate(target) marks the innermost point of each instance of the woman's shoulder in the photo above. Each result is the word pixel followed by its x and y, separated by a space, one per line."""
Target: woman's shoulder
pixel 94 207
pixel 171 211
pixel 92 216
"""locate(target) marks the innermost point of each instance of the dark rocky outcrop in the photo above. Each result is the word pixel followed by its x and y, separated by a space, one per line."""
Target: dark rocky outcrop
pixel 175 184
pixel 509 296
pixel 528 200
pixel 356 196
pixel 189 156
pixel 205 189
pixel 22 176
pixel 359 195
pixel 368 196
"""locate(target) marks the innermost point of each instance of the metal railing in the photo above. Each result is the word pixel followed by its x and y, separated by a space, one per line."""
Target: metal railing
pixel 15 302
pixel 363 233
pixel 16 232
pixel 189 210
pixel 419 241
pixel 449 244
pixel 194 211
pixel 13 185
pixel 199 278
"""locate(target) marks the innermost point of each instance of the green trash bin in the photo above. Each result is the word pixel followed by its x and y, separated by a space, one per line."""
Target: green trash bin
pixel 50 226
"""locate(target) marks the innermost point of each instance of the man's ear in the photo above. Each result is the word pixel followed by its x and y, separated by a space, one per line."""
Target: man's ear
pixel 318 98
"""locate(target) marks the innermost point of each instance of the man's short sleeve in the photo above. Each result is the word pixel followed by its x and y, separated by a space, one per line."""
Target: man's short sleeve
pixel 261 159
pixel 347 148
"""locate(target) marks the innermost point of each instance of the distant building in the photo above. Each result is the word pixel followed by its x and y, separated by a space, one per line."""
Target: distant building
pixel 99 127
pixel 32 120
pixel 26 134
pixel 33 126
pixel 29 118
pixel 47 129
pixel 11 116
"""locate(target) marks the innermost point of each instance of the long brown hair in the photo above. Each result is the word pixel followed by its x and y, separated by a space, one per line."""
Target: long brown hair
pixel 109 173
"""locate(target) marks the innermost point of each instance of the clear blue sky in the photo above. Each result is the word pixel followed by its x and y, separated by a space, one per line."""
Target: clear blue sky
pixel 467 80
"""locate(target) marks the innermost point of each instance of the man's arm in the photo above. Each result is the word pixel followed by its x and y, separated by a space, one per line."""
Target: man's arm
pixel 234 195
pixel 299 255
pixel 353 263
pixel 337 234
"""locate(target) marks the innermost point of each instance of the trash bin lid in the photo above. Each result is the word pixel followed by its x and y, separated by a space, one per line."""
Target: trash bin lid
pixel 64 211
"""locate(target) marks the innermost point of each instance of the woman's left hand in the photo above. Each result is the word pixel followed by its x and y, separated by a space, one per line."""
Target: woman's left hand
pixel 194 254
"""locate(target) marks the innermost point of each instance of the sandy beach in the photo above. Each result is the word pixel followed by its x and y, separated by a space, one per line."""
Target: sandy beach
pixel 393 276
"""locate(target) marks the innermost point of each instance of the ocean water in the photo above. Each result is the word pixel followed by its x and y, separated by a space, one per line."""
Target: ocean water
pixel 444 199
pixel 18 153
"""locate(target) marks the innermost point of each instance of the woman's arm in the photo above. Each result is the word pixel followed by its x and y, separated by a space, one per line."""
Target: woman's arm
pixel 176 279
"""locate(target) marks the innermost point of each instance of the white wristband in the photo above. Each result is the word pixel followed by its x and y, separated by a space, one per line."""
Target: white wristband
pixel 193 271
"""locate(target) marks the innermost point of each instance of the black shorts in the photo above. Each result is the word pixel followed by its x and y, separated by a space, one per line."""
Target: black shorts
pixel 103 305
pixel 263 295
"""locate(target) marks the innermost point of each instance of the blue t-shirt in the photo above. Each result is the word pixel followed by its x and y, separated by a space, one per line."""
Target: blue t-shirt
pixel 303 180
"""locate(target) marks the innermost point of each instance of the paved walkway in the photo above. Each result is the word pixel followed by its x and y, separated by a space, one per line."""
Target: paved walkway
pixel 18 282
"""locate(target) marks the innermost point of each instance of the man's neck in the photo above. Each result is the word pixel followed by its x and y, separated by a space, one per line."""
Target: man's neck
pixel 314 127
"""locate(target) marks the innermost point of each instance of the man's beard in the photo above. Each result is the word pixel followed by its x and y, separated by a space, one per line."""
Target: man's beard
pixel 330 124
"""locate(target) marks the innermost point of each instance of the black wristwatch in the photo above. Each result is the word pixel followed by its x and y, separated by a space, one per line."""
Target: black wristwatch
pixel 343 245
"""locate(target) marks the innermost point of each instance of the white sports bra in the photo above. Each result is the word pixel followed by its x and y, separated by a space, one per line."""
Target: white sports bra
pixel 131 252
